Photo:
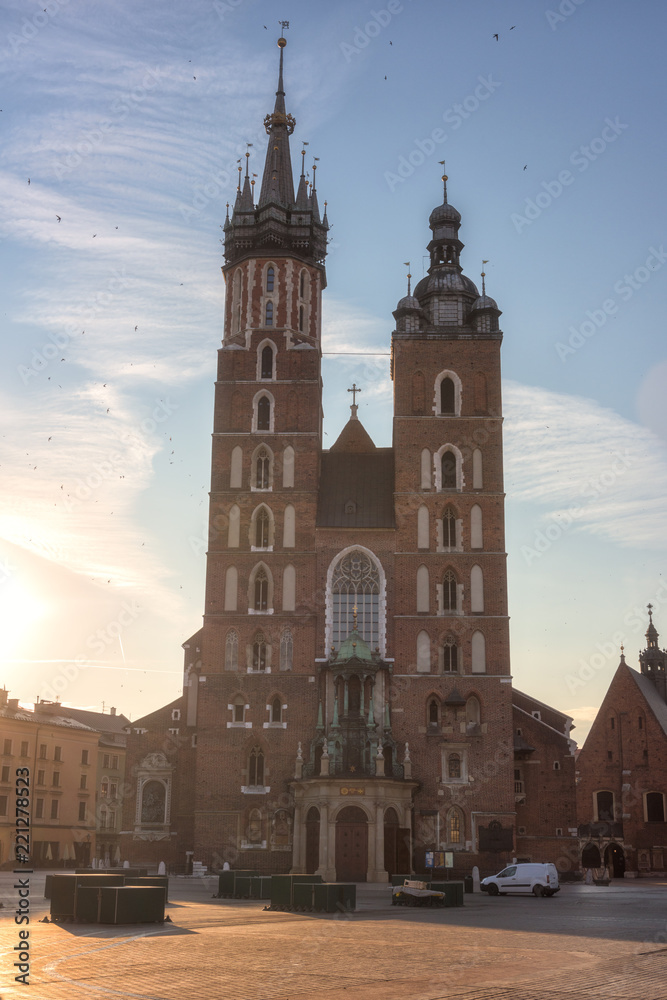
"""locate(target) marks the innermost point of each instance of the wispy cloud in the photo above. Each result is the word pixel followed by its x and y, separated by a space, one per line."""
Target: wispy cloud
pixel 568 452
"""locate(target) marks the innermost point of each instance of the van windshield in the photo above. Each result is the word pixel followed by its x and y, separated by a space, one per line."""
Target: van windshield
pixel 507 872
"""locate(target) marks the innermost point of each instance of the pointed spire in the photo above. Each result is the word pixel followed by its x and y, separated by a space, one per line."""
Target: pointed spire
pixel 320 719
pixel 277 182
pixel 314 207
pixel 444 182
pixel 246 203
pixel 622 654
pixel 407 264
pixel 652 633
pixel 483 276
pixel 325 221
pixel 302 193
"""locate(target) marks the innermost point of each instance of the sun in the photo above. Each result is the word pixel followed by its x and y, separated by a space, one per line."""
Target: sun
pixel 20 613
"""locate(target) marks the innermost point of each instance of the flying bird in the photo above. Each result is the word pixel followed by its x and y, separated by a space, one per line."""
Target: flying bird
pixel 58 218
pixel 526 167
pixel 513 27
pixel 28 180
pixel 496 37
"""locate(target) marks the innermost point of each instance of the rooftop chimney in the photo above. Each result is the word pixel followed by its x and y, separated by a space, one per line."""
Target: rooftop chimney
pixel 112 711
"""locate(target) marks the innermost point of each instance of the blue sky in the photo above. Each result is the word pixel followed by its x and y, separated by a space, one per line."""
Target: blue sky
pixel 128 119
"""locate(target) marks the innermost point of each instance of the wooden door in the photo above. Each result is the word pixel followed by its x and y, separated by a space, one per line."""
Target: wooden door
pixel 351 845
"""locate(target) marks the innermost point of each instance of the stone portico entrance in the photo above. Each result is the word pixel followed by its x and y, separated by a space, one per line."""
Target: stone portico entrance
pixel 341 820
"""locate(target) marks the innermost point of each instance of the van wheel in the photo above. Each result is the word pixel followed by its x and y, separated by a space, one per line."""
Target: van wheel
pixel 538 890
pixel 492 890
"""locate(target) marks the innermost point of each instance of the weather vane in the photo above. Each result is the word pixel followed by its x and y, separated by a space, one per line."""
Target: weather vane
pixel 284 25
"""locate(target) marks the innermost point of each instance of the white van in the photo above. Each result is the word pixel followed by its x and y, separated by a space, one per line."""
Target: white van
pixel 540 879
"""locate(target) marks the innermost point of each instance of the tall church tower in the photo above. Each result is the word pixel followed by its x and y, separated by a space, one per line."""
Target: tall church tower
pixel 258 635
pixel 451 624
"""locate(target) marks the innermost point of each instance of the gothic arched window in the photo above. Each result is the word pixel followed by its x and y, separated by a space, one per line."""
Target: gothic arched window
pixel 447 396
pixel 262 528
pixel 448 470
pixel 266 369
pixel 286 650
pixel 232 651
pixel 433 712
pixel 259 653
pixel 256 767
pixel 264 420
pixel 262 470
pixel 449 591
pixel 356 583
pixel 301 319
pixel 276 710
pixel 261 595
pixel 605 806
pixel 450 657
pixel 268 314
pixel 270 278
pixel 449 528
pixel 239 708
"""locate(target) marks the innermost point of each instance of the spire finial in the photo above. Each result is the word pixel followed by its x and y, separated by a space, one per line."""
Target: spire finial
pixel 444 180
pixel 247 157
pixel 406 263
pixel 316 160
pixel 354 390
pixel 650 611
pixel 483 277
pixel 240 170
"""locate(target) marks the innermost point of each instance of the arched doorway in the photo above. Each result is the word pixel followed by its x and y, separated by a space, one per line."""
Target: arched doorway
pixel 312 840
pixel 614 859
pixel 590 857
pixel 351 845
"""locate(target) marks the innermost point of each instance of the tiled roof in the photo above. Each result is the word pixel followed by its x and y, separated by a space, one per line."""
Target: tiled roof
pixel 652 696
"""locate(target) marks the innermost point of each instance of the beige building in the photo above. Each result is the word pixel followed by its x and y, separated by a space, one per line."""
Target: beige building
pixel 60 755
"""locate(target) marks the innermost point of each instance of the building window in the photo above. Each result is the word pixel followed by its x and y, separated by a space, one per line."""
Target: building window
pixel 84 756
pixel 266 367
pixel 232 651
pixel 556 765
pixel 433 712
pixel 640 723
pixel 270 279
pixel 39 808
pixel 3 805
pixel 454 766
pixel 473 711
pixel 256 767
pixel 264 414
pixel 259 653
pixel 276 710
pixel 286 650
pixel 454 827
pixel 7 748
pixel 42 751
pixel 105 788
pixel 83 782
pixel 41 777
pixel 56 779
pixel 447 396
pixel 239 708
pixel 448 463
pixel 301 319
pixel 261 595
pixel 612 722
pixel 268 314
pixel 604 802
pixel 54 808
pixel 263 470
pixel 450 657
pixel 449 591
pixel 106 760
pixel 302 285
pixel 262 526
pixel 655 807
pixel 111 820
pixel 610 754
pixel 356 584
pixel 82 812
pixel 58 753
pixel 5 775
pixel 449 526
pixel 24 748
pixel 113 789
pixel 153 803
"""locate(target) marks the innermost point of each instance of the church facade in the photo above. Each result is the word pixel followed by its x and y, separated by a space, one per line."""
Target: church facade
pixel 348 701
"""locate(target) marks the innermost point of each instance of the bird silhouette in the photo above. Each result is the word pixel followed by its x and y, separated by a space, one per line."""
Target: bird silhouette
pixel 58 218
pixel 496 37
pixel 513 27
pixel 526 167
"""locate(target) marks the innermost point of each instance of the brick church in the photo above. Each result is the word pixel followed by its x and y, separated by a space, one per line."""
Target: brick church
pixel 348 704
